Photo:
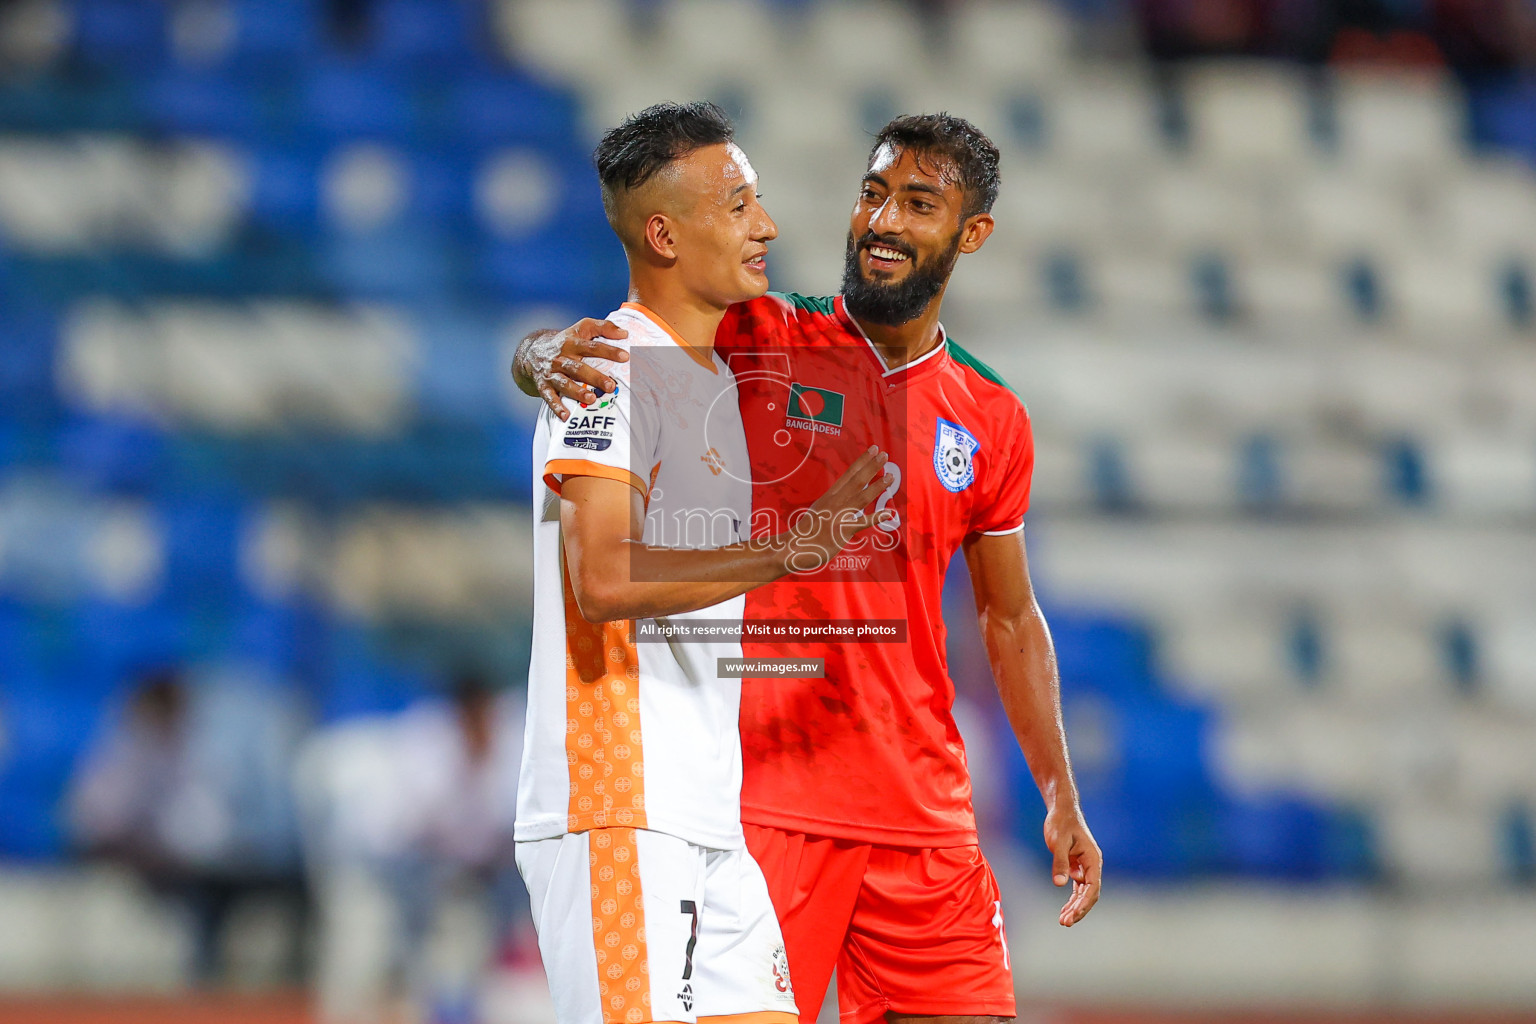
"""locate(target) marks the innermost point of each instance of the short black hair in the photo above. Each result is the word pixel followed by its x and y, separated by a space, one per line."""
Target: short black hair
pixel 630 155
pixel 956 141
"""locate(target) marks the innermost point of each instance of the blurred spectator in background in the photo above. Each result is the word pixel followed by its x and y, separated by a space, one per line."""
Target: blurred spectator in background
pixel 188 788
pixel 408 825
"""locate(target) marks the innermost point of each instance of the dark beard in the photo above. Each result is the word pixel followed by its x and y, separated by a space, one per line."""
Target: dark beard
pixel 894 304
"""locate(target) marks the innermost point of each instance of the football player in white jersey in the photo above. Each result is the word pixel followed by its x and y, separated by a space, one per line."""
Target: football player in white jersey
pixel 648 906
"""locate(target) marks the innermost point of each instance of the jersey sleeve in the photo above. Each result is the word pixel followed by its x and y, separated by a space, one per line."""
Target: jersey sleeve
pixel 1008 495
pixel 615 437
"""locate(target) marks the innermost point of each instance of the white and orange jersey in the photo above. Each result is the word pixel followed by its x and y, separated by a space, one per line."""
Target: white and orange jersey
pixel 619 732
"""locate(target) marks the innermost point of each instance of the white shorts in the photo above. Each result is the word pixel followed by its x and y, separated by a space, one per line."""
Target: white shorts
pixel 638 926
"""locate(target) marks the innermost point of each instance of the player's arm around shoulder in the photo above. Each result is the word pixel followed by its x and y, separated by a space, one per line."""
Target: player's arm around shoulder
pixel 1023 662
pixel 553 365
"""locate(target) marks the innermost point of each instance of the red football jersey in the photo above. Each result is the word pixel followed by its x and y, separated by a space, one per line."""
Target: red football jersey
pixel 870 752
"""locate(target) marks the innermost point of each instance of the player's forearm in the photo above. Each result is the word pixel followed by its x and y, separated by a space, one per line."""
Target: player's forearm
pixel 522 362
pixel 639 581
pixel 1024 664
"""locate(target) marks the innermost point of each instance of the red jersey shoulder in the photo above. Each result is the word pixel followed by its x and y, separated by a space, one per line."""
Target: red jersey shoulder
pixel 1000 418
pixel 779 318
pixel 988 393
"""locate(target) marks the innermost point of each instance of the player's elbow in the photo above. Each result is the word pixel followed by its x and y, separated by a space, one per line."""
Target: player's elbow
pixel 599 597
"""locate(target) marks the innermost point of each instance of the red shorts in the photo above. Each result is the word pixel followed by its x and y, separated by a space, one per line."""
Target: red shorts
pixel 910 931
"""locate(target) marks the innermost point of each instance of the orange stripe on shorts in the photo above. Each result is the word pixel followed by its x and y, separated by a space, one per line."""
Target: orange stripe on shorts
pixel 618 926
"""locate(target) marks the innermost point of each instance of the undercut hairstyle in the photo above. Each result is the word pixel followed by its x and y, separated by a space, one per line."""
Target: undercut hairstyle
pixel 955 141
pixel 645 143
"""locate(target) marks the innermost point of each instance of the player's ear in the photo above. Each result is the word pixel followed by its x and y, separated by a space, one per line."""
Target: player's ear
pixel 660 239
pixel 976 231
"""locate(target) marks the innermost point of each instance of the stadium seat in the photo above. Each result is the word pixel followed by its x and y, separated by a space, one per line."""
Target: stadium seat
pixel 1384 661
pixel 1249 116
pixel 274 33
pixel 517 193
pixel 1184 473
pixel 493 111
pixel 340 100
pixel 1239 657
pixel 1288 292
pixel 425 32
pixel 1326 475
pixel 1489 210
pixel 1390 123
pixel 691 32
pixel 1509 652
pixel 1486 477
pixel 538 34
pixel 1439 844
pixel 1194 211
pixel 183 103
pixel 122 34
pixel 399 265
pixel 1002 45
pixel 1100 117
pixel 851 42
pixel 365 188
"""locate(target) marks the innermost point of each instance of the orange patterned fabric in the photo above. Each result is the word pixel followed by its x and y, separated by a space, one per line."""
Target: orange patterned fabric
pixel 618 926
pixel 602 725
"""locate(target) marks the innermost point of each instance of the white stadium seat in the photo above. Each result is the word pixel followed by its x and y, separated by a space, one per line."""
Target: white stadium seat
pixel 707 35
pixel 1440 844
pixel 1100 116
pixel 1489 210
pixel 1391 122
pixel 1239 656
pixel 1003 43
pixel 1183 472
pixel 1484 476
pixel 859 43
pixel 583 41
pixel 1321 474
pixel 1378 660
pixel 1342 216
pixel 1450 299
pixel 1249 115
pixel 1509 654
pixel 1200 211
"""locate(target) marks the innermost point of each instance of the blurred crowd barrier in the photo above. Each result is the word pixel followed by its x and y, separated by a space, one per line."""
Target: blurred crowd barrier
pixel 1263 273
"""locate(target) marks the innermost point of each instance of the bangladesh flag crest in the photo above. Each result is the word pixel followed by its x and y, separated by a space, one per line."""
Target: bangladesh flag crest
pixel 818 405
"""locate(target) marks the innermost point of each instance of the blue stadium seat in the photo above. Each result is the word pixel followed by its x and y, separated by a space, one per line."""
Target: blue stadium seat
pixel 119 642
pixel 1275 838
pixel 1503 116
pixel 111 453
pixel 562 270
pixel 285 191
pixel 126 34
pixel 427 31
pixel 28 338
pixel 510 109
pixel 1106 654
pixel 395 264
pixel 514 454
pixel 343 100
pixel 202 542
pixel 361 680
pixel 458 378
pixel 187 103
pixel 283 32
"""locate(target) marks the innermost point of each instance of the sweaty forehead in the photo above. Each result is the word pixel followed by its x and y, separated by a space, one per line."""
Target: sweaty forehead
pixel 716 172
pixel 894 162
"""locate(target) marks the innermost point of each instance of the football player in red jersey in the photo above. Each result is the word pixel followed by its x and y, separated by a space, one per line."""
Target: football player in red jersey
pixel 856 795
